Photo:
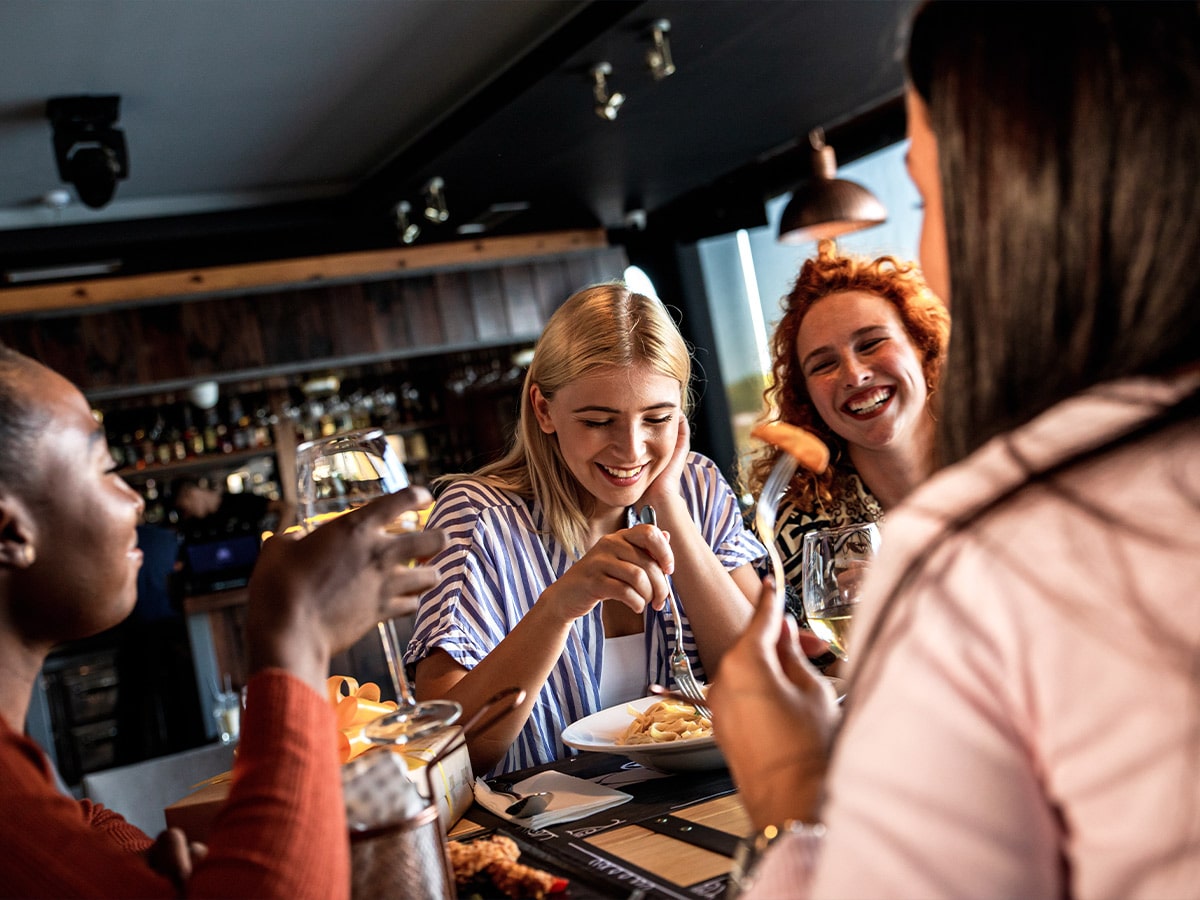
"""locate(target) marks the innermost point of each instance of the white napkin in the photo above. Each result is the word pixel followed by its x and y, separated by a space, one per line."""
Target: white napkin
pixel 573 798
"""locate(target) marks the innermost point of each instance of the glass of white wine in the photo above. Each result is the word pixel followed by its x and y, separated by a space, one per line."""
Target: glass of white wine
pixel 340 473
pixel 834 564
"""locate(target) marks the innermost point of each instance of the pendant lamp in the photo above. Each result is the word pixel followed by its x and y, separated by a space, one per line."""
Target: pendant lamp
pixel 827 206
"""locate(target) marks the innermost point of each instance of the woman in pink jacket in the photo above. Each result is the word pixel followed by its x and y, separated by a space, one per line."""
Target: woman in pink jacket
pixel 1023 717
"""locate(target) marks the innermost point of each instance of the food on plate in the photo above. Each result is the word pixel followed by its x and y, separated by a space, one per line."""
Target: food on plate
pixel 808 449
pixel 666 720
pixel 495 858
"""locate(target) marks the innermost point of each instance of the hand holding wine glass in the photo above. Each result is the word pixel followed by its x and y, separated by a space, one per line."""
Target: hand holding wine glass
pixel 339 475
pixel 834 564
pixel 314 596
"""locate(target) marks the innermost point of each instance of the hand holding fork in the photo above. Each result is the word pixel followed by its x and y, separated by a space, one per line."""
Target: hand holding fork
pixel 681 668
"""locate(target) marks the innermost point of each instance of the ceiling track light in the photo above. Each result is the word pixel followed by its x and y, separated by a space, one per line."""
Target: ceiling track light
pixel 607 105
pixel 435 201
pixel 89 151
pixel 406 229
pixel 827 206
pixel 658 57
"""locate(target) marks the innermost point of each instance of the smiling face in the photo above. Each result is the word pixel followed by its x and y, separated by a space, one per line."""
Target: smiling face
pixel 616 431
pixel 861 370
pixel 81 520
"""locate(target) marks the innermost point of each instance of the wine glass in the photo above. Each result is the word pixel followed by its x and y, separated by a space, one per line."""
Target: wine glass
pixel 834 565
pixel 336 475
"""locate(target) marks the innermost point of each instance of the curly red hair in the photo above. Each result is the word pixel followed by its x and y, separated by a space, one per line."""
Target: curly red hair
pixel 923 315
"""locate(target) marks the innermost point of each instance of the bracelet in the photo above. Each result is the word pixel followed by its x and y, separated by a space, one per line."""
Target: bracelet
pixel 750 851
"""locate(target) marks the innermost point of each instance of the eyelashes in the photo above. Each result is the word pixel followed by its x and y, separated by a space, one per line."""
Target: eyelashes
pixel 660 420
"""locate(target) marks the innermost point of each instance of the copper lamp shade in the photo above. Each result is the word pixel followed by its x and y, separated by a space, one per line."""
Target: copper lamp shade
pixel 827 206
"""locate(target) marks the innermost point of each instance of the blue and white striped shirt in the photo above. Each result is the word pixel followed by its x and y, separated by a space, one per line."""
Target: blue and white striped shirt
pixel 500 559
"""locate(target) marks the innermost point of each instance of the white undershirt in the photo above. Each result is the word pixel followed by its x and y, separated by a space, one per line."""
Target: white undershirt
pixel 623 677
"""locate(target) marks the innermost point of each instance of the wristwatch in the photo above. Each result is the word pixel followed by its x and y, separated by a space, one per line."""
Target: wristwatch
pixel 750 851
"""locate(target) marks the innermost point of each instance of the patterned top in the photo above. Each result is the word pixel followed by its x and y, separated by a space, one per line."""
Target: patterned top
pixel 500 559
pixel 852 504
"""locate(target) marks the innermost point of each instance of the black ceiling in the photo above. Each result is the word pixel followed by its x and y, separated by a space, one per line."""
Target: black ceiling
pixel 698 151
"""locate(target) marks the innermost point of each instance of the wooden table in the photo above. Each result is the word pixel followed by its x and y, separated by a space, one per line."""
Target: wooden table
pixel 675 839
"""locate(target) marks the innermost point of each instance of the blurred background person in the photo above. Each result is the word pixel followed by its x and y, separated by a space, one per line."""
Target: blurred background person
pixel 206 512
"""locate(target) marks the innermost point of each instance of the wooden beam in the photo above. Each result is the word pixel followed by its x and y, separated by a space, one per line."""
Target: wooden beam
pixel 250 277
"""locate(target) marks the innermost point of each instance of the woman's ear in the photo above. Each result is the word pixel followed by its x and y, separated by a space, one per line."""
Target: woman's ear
pixel 541 409
pixel 16 536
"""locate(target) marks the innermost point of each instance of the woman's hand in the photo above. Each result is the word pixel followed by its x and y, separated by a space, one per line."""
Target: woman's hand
pixel 315 595
pixel 665 487
pixel 773 715
pixel 629 566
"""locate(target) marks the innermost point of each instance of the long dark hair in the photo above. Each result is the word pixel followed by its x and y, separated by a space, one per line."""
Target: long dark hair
pixel 1068 138
pixel 1069 149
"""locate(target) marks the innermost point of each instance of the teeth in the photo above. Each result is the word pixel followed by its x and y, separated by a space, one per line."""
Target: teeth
pixel 870 401
pixel 621 473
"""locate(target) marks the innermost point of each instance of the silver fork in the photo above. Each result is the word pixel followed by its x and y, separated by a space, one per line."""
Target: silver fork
pixel 681 668
pixel 764 515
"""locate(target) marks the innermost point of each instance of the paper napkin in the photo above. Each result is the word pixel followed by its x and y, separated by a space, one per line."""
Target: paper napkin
pixel 573 798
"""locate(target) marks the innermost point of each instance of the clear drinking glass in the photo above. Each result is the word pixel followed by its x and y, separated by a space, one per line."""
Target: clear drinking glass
pixel 834 564
pixel 336 475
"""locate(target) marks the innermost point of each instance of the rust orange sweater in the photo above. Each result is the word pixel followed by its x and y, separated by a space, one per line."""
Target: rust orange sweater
pixel 282 832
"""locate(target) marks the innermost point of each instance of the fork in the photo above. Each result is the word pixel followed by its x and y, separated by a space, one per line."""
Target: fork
pixel 764 515
pixel 681 668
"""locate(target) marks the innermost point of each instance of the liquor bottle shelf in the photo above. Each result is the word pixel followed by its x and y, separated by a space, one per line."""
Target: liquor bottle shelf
pixel 202 463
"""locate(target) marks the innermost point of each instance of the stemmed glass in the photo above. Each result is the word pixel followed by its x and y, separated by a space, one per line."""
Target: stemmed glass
pixel 834 564
pixel 336 475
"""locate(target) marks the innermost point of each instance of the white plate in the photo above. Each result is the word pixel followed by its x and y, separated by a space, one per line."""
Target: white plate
pixel 599 732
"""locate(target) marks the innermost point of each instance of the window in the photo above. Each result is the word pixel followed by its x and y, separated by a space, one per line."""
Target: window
pixel 747 274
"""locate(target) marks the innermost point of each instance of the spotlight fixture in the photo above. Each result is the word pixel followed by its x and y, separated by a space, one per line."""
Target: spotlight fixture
pixel 435 201
pixel 827 206
pixel 607 105
pixel 658 57
pixel 406 229
pixel 90 152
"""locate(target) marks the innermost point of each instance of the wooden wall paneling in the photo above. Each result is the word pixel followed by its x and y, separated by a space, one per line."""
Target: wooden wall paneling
pixel 366 266
pixel 453 293
pixel 389 311
pixel 597 268
pixel 162 349
pixel 155 343
pixel 520 297
pixel 219 336
pixel 350 314
pixel 294 328
pixel 552 285
pixel 582 272
pixel 487 304
pixel 421 311
pixel 109 350
pixel 54 342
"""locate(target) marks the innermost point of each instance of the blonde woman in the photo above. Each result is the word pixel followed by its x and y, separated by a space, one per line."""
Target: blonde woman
pixel 549 583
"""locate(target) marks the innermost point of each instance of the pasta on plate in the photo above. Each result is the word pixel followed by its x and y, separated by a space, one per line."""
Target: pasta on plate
pixel 666 720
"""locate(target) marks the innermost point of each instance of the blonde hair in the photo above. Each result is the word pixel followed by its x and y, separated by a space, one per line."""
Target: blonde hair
pixel 605 325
